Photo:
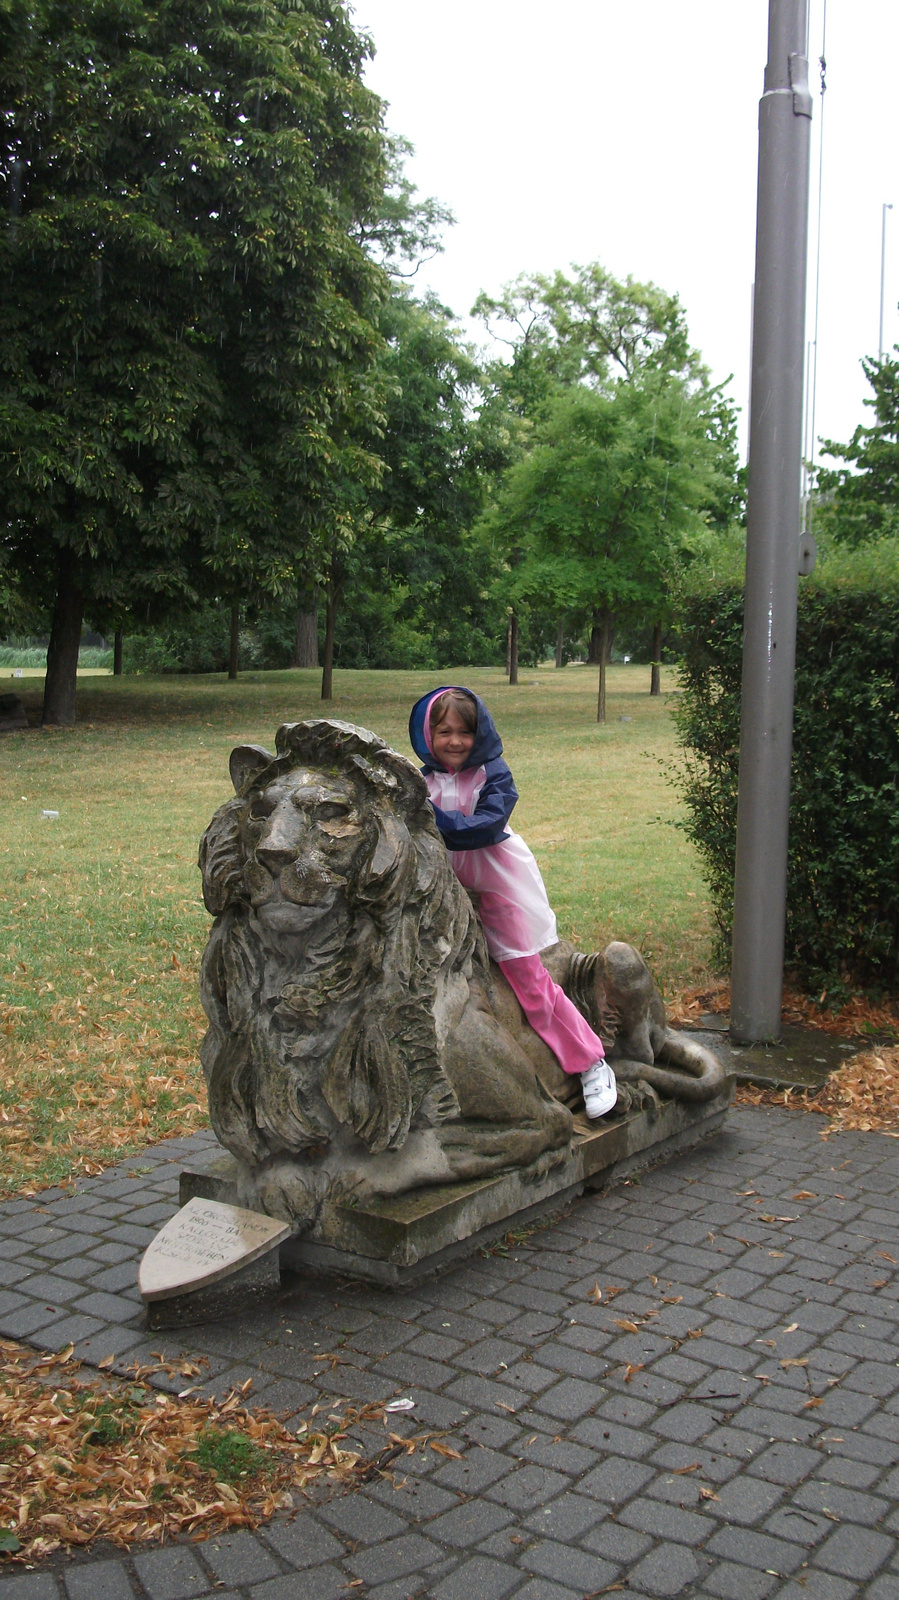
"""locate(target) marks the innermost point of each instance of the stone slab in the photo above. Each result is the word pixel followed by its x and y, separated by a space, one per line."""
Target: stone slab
pixel 249 1285
pixel 204 1242
pixel 395 1240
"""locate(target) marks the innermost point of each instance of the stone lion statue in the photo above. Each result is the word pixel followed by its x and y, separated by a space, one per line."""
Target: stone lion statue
pixel 360 1042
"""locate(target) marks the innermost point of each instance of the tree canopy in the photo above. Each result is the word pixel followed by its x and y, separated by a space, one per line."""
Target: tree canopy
pixel 861 499
pixel 609 498
pixel 187 317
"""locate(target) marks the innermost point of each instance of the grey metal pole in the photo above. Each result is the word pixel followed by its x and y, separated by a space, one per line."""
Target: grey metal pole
pixel 883 262
pixel 772 554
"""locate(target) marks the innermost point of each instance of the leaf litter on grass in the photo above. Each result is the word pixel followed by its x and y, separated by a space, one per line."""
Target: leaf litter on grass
pixel 116 1461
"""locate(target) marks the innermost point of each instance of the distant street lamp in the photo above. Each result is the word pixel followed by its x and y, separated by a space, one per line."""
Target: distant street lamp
pixel 883 257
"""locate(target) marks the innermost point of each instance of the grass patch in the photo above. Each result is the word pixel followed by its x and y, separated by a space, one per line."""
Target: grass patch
pixel 102 924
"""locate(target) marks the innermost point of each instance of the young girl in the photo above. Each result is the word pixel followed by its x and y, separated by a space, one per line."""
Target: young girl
pixel 473 794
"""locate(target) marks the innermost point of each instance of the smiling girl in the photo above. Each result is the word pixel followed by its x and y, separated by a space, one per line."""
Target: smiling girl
pixel 473 795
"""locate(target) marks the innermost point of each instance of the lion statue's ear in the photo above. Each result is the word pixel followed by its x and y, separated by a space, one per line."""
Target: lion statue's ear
pixel 246 764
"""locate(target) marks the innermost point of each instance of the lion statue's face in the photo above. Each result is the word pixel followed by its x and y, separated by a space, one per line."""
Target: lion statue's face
pixel 301 836
pixel 322 824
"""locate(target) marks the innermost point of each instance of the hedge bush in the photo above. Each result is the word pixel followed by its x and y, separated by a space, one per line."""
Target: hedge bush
pixel 842 927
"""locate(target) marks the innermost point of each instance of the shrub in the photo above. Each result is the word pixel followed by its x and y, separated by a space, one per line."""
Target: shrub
pixel 843 873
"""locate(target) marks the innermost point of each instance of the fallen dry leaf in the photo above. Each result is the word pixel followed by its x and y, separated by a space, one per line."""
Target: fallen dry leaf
pixel 444 1450
pixel 595 1294
pixel 113 1460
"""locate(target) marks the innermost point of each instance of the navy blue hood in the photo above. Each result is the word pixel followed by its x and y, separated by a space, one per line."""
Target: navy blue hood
pixel 487 746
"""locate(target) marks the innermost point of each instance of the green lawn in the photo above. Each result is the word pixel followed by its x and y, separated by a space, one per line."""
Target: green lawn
pixel 102 924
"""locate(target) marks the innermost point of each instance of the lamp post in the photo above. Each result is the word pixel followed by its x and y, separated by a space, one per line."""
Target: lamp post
pixel 883 256
pixel 772 546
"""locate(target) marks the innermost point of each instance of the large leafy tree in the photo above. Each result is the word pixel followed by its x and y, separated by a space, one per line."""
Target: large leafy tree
pixel 608 498
pixel 187 322
pixel 592 333
pixel 861 498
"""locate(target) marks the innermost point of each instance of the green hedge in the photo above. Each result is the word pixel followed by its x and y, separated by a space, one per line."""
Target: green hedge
pixel 843 874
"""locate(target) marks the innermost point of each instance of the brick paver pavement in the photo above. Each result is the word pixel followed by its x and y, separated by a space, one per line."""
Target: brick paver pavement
pixel 724 1424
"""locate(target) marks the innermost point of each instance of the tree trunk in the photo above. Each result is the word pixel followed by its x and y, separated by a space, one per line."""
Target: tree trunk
pixel 328 659
pixel 655 686
pixel 560 645
pixel 62 654
pixel 234 642
pixel 513 648
pixel 305 650
pixel 595 651
pixel 605 650
pixel 118 639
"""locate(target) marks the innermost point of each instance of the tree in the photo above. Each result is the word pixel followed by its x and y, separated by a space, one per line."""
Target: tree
pixel 186 322
pixel 864 495
pixel 610 494
pixel 405 567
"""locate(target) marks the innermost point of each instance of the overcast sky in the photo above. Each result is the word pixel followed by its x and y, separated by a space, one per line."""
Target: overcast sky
pixel 627 133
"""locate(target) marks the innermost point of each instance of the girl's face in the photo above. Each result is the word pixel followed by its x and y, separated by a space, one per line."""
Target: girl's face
pixel 451 741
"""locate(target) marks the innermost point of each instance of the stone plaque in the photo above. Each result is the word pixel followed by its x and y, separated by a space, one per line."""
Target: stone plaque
pixel 203 1243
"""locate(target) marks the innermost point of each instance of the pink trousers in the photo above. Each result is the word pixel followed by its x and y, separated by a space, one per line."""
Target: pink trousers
pixel 551 1014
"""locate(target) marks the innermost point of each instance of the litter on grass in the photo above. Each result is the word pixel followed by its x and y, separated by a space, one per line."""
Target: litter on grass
pixel 118 1461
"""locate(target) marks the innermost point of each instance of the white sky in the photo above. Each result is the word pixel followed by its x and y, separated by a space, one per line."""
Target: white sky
pixel 627 132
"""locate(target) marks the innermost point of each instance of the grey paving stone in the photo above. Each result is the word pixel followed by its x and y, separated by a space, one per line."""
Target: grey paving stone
pixel 303 1541
pixel 468 1524
pixel 478 1469
pixel 565 1564
pixel 481 1578
pixel 854 1552
pixel 560 1454
pixel 759 1550
pixel 618 1544
pixel 395 1558
pixel 824 1586
pixel 317 1583
pixel 362 1519
pixel 667 1572
pixel 568 1518
pixel 673 1523
pixel 571 1399
pixel 543 1589
pixel 886 1587
pixel 237 1558
pixel 29 1586
pixel 727 1581
pixel 526 1487
pixel 616 1480
pixel 32 1317
pixel 171 1574
pixel 100 1580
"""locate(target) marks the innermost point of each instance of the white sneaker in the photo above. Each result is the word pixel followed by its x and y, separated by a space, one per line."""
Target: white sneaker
pixel 600 1089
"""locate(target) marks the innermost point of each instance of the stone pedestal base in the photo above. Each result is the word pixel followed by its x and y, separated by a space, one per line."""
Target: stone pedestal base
pixel 393 1241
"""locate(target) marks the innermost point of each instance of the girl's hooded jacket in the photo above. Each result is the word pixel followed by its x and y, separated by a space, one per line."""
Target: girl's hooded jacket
pixel 472 807
pixel 481 795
